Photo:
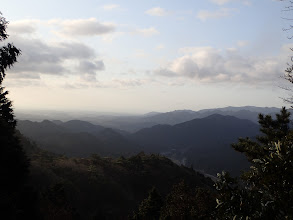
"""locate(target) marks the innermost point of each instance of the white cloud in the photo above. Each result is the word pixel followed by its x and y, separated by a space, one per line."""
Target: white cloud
pixel 59 59
pixel 223 2
pixel 83 27
pixel 157 11
pixel 113 83
pixel 126 82
pixel 65 28
pixel 147 32
pixel 23 26
pixel 222 12
pixel 208 64
pixel 110 7
pixel 88 69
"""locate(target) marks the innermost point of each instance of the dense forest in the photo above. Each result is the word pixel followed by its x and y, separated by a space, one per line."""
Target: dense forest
pixel 127 177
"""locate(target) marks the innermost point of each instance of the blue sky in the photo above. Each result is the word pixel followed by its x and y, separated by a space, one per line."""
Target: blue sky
pixel 139 56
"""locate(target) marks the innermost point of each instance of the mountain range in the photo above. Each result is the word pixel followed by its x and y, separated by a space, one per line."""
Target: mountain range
pixel 135 123
pixel 203 143
pixel 77 138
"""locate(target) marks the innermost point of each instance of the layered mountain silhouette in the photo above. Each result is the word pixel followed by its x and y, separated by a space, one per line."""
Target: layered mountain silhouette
pixel 135 123
pixel 203 143
pixel 77 138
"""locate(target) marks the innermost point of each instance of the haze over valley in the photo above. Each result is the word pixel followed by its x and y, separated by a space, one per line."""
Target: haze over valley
pixel 200 139
pixel 150 109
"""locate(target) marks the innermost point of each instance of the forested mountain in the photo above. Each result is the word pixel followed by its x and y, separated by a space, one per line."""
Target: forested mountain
pixel 77 138
pixel 101 188
pixel 143 167
pixel 133 123
pixel 203 143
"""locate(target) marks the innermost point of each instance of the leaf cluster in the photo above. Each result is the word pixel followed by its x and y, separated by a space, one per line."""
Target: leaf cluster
pixel 265 191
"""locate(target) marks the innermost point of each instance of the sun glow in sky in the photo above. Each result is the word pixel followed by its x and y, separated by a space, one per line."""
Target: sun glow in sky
pixel 140 56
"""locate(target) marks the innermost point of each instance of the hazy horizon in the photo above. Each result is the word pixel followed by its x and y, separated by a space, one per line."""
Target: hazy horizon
pixel 136 57
pixel 117 113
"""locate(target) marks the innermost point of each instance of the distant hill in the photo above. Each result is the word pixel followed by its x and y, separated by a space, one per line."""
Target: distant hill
pixel 263 110
pixel 101 188
pixel 203 143
pixel 77 138
pixel 81 126
pixel 179 116
pixel 135 123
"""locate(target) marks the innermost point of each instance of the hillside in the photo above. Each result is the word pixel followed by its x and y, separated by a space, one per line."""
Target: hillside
pixel 99 188
pixel 133 123
pixel 77 138
pixel 203 143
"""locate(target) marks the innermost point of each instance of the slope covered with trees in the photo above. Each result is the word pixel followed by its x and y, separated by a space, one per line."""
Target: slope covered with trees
pixel 203 143
pixel 56 187
pixel 102 188
pixel 266 190
pixel 77 138
pixel 13 161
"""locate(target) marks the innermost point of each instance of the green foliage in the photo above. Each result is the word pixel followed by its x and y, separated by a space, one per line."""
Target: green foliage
pixel 14 194
pixel 179 203
pixel 8 53
pixel 150 207
pixel 105 188
pixel 183 202
pixel 266 190
pixel 56 205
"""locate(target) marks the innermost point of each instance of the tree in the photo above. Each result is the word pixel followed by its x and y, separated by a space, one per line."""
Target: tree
pixel 288 8
pixel 266 190
pixel 8 53
pixel 13 162
pixel 150 207
pixel 179 203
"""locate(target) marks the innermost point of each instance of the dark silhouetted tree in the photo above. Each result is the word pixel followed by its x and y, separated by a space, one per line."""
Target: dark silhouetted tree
pixel 150 208
pixel 287 16
pixel 13 162
pixel 266 190
pixel 180 203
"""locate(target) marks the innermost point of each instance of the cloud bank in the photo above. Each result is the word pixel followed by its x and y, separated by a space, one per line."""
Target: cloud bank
pixel 59 59
pixel 208 64
pixel 83 27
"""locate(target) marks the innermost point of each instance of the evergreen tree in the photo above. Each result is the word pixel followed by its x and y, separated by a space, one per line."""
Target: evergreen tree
pixel 8 53
pixel 179 203
pixel 150 207
pixel 13 162
pixel 266 190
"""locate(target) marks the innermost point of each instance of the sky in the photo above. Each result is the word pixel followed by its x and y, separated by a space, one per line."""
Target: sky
pixel 140 56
